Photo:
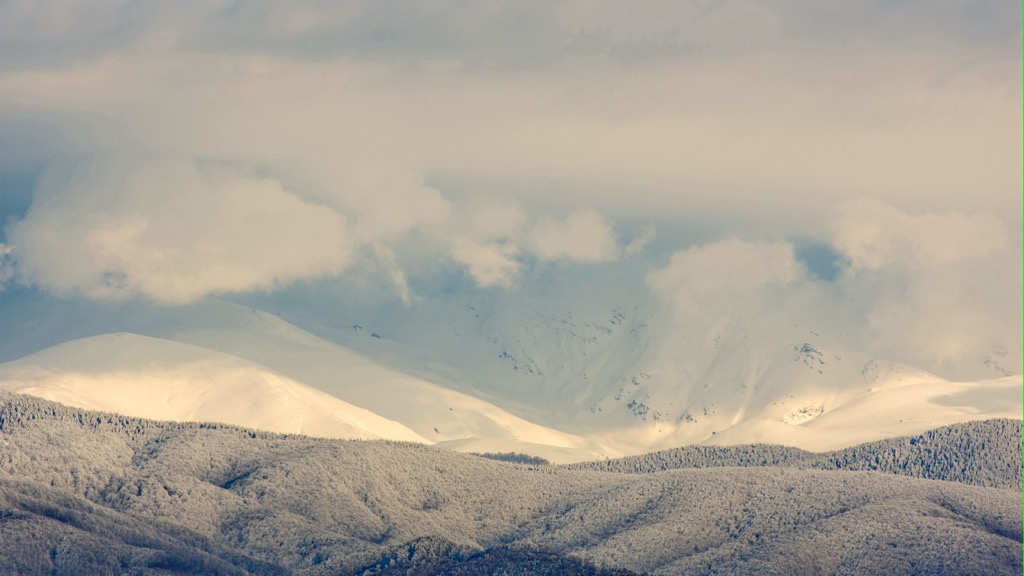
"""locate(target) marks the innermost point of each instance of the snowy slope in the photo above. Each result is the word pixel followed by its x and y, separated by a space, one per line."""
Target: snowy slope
pixel 892 409
pixel 275 350
pixel 435 412
pixel 564 377
pixel 164 380
pixel 593 359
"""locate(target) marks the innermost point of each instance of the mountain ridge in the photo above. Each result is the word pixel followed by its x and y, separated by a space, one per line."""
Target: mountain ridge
pixel 661 392
pixel 983 453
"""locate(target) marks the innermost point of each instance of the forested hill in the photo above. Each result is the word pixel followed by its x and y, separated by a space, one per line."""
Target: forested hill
pixel 983 453
pixel 85 493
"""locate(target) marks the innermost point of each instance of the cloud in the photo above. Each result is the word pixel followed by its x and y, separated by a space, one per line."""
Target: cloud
pixel 504 34
pixel 638 29
pixel 725 271
pixel 950 319
pixel 484 238
pixel 6 265
pixel 385 258
pixel 172 230
pixel 873 235
pixel 490 264
pixel 810 128
pixel 939 290
pixel 492 218
pixel 584 236
pixel 385 201
pixel 403 137
pixel 952 307
pixel 492 236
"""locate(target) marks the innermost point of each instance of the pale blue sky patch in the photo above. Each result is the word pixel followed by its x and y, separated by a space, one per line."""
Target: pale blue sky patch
pixel 821 260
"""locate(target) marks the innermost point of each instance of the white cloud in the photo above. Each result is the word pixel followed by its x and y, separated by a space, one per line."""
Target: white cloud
pixel 386 201
pixel 492 219
pixel 730 118
pixel 940 291
pixel 490 264
pixel 172 230
pixel 584 236
pixel 6 265
pixel 874 235
pixel 723 272
pixel 945 319
pixel 490 236
pixel 385 258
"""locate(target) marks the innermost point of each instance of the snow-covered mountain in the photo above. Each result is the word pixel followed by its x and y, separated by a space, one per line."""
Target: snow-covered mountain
pixel 594 355
pixel 154 378
pixel 563 377
pixel 229 363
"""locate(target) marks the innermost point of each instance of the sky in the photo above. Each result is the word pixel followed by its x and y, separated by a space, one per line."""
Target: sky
pixel 854 160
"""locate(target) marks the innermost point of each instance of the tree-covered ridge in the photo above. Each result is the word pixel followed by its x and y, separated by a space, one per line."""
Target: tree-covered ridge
pixel 516 457
pixel 982 453
pixel 89 493
pixel 428 556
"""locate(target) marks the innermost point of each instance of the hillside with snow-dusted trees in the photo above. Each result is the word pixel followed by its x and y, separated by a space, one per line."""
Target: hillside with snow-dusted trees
pixel 97 493
pixel 985 453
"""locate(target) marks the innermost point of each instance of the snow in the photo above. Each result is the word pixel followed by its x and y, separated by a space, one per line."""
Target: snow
pixel 163 380
pixel 627 378
pixel 895 409
pixel 553 378
pixel 434 412
pixel 301 384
